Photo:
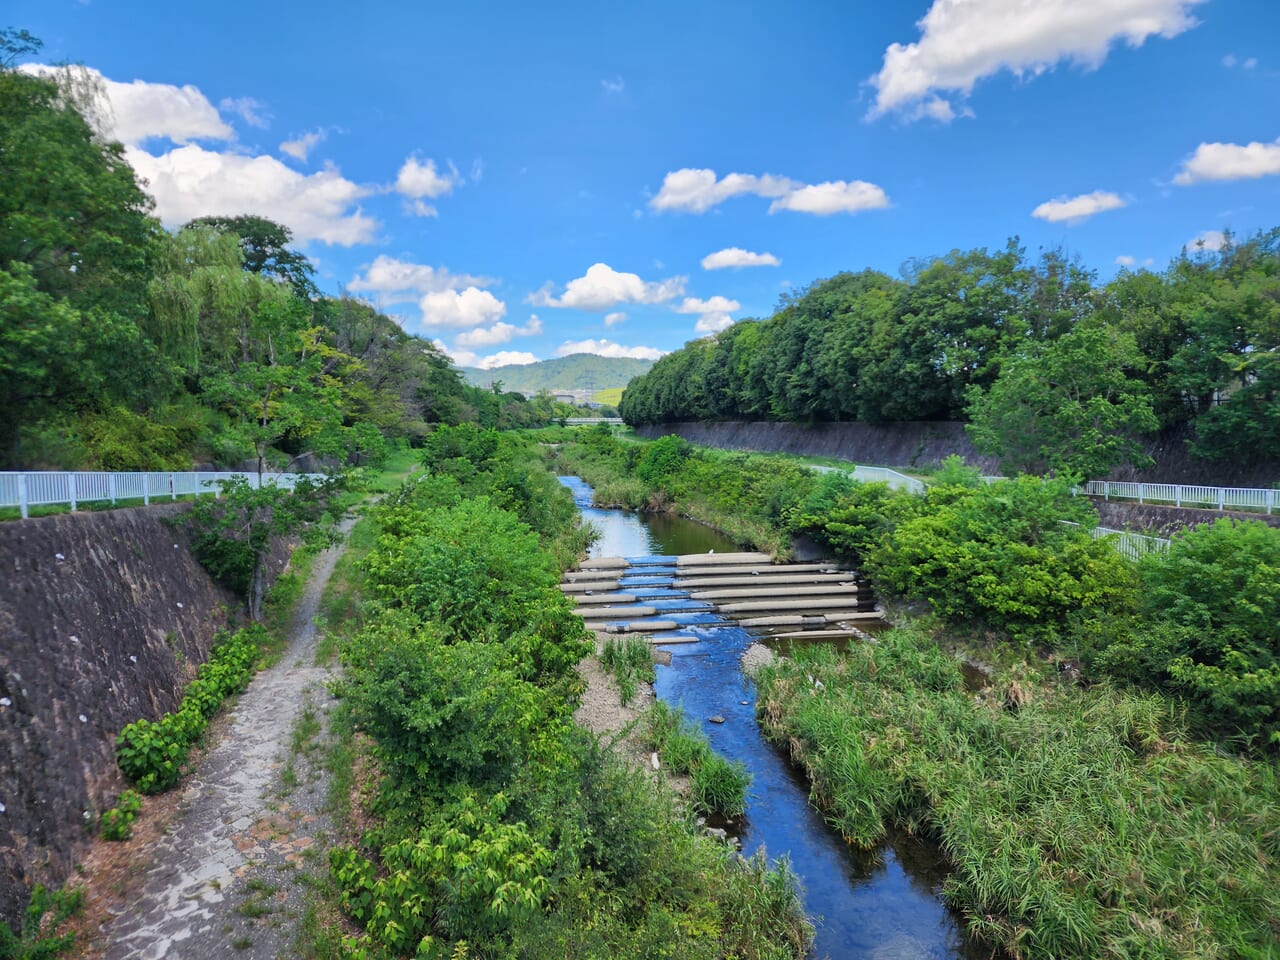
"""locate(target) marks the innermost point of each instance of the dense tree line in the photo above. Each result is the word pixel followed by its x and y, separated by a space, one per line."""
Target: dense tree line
pixel 1054 370
pixel 123 346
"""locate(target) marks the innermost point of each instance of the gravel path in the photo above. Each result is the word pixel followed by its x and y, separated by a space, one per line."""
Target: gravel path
pixel 228 878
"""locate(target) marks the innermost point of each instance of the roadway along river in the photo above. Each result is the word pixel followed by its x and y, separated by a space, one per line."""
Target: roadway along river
pixel 883 904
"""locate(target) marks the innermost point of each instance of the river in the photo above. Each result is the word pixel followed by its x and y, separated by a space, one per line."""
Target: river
pixel 883 904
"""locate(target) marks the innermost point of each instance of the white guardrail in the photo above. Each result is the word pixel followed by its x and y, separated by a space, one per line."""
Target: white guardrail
pixel 893 478
pixel 1257 499
pixel 26 489
pixel 1132 545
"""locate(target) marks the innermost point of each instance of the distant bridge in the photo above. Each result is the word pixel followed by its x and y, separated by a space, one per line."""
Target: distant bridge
pixel 585 421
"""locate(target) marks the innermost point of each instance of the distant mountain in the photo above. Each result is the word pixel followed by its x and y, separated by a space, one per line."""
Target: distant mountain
pixel 578 371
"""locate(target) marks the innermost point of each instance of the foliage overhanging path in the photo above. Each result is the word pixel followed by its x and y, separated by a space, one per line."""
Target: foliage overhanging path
pixel 201 886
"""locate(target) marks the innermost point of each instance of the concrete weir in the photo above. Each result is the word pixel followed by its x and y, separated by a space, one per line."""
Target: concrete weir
pixel 748 587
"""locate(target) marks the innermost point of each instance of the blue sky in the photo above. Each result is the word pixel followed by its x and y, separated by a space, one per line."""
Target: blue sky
pixel 520 181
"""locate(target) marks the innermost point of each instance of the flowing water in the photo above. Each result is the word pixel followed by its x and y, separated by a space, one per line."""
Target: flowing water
pixel 883 904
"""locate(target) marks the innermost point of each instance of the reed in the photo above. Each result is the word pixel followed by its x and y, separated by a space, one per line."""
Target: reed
pixel 630 660
pixel 1081 823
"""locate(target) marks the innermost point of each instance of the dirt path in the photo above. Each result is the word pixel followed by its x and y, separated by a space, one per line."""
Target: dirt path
pixel 228 877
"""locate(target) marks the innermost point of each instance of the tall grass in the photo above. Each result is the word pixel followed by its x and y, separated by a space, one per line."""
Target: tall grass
pixel 1081 823
pixel 718 785
pixel 630 660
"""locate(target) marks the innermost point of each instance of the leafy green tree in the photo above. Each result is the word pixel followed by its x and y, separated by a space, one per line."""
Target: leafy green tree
pixel 265 246
pixel 71 209
pixel 1071 408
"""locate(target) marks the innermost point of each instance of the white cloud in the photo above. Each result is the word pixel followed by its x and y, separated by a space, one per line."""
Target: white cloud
pixel 1250 63
pixel 836 196
pixel 302 146
pixel 498 333
pixel 698 190
pixel 613 319
pixel 1124 260
pixel 460 309
pixel 602 287
pixel 477 169
pixel 135 112
pixel 193 182
pixel 1230 161
pixel 1210 241
pixel 419 179
pixel 251 111
pixel 616 85
pixel 468 358
pixel 607 348
pixel 1076 209
pixel 713 313
pixel 398 281
pixel 737 257
pixel 963 41
pixel 1229 60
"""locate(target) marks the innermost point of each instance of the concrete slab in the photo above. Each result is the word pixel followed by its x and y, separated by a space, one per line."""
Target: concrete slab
pixel 602 598
pixel 721 559
pixel 589 586
pixel 786 606
pixel 737 580
pixel 615 613
pixel 831 590
pixel 644 626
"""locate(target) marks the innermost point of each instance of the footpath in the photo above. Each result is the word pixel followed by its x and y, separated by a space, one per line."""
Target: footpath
pixel 229 876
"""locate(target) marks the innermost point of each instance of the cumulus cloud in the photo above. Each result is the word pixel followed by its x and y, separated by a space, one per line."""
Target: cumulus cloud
pixel 1076 209
pixel 138 111
pixel 399 281
pixel 421 179
pixel 460 309
pixel 468 358
pixel 737 257
pixel 302 146
pixel 1124 260
pixel 836 196
pixel 607 348
pixel 613 319
pixel 963 41
pixel 192 182
pixel 498 333
pixel 602 287
pixel 698 190
pixel 251 111
pixel 1210 241
pixel 616 85
pixel 713 313
pixel 1230 161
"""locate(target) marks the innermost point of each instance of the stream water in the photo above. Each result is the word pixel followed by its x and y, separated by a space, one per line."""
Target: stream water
pixel 883 904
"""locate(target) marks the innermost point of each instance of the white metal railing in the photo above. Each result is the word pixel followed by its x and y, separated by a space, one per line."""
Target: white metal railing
pixel 893 478
pixel 583 421
pixel 1257 499
pixel 1132 545
pixel 26 489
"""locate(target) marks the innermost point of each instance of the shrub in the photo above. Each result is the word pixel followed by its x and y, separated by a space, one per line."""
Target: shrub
pixel 117 823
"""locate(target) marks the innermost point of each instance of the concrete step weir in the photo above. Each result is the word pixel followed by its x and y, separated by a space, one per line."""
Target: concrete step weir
pixel 747 589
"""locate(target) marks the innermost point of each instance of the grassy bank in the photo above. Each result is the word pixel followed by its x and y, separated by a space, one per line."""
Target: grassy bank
pixel 746 496
pixel 1081 823
pixel 490 825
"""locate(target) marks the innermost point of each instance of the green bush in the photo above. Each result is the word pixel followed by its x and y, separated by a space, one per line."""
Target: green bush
pixel 37 937
pixel 117 823
pixel 151 754
pixel 630 660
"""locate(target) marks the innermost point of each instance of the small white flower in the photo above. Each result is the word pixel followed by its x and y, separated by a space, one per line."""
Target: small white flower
pixel 179 606
pixel 60 556
pixel 74 638
pixel 83 718
pixel 88 815
pixel 1 808
pixel 133 658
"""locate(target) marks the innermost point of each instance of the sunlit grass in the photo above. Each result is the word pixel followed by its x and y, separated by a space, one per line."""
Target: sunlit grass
pixel 1081 823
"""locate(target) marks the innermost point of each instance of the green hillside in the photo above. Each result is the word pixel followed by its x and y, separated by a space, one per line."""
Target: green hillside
pixel 578 371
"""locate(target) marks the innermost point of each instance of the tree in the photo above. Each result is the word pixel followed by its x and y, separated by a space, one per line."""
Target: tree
pixel 71 209
pixel 265 245
pixel 1070 407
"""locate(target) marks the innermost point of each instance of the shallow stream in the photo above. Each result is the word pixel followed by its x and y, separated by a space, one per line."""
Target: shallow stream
pixel 883 904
